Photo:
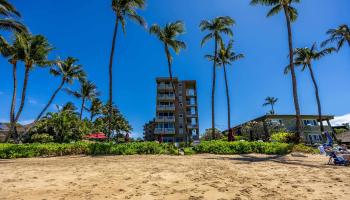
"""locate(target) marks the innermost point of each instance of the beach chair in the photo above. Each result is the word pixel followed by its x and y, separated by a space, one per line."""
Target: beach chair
pixel 337 160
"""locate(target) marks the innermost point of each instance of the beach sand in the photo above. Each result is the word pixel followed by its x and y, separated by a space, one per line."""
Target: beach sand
pixel 174 177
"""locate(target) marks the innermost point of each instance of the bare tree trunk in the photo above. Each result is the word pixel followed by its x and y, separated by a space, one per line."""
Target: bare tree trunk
pixel 24 90
pixel 230 134
pixel 294 80
pixel 82 108
pixel 110 100
pixel 13 101
pixel 213 90
pixel 51 100
pixel 317 97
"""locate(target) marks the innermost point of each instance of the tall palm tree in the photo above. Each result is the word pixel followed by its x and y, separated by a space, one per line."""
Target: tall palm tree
pixel 216 27
pixel 87 92
pixel 69 71
pixel 339 36
pixel 123 9
pixel 225 57
pixel 304 58
pixel 10 51
pixel 291 15
pixel 8 22
pixel 271 101
pixel 168 36
pixel 95 108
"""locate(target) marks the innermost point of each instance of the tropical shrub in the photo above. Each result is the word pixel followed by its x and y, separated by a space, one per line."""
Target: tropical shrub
pixel 302 148
pixel 242 147
pixel 41 138
pixel 282 137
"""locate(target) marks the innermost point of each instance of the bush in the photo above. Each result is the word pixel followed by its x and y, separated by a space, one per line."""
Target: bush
pixel 305 149
pixel 282 137
pixel 41 138
pixel 242 147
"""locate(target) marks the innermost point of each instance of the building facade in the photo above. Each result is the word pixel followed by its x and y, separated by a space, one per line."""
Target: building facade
pixel 148 131
pixel 176 122
pixel 262 127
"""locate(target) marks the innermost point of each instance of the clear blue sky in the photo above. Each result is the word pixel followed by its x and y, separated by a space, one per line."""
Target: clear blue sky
pixel 83 29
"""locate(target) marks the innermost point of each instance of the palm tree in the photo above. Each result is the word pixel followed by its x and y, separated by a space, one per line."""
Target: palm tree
pixel 8 11
pixel 87 92
pixel 10 51
pixel 304 58
pixel 69 107
pixel 339 35
pixel 95 108
pixel 291 15
pixel 168 36
pixel 225 57
pixel 69 71
pixel 271 101
pixel 216 27
pixel 123 9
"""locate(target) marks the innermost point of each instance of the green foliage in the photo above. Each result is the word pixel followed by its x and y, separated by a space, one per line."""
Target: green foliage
pixel 222 147
pixel 302 148
pixel 282 137
pixel 41 138
pixel 207 136
pixel 340 130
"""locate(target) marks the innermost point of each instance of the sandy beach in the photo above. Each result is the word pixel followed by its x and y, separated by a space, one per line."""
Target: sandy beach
pixel 174 177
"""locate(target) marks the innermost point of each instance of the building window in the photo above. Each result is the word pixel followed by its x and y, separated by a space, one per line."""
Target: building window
pixel 310 122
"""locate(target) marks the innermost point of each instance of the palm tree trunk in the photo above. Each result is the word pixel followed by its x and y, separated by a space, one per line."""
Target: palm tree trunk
pixel 273 109
pixel 82 108
pixel 294 80
pixel 24 90
pixel 51 100
pixel 110 100
pixel 213 90
pixel 230 135
pixel 317 97
pixel 13 101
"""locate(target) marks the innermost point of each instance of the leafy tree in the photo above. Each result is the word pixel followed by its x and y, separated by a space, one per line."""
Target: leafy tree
pixel 271 101
pixel 304 58
pixel 168 36
pixel 225 57
pixel 68 71
pixel 8 19
pixel 123 9
pixel 87 92
pixel 208 135
pixel 216 28
pixel 291 15
pixel 70 107
pixel 338 36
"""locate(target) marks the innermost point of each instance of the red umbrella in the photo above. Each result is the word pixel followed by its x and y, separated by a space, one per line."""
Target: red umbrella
pixel 96 136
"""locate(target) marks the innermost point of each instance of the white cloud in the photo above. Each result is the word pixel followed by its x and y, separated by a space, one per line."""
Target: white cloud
pixel 25 122
pixel 340 120
pixel 33 101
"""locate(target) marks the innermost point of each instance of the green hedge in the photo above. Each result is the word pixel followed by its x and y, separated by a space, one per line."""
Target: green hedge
pixel 214 147
pixel 242 147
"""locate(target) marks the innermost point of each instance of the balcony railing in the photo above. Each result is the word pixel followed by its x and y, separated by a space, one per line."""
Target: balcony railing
pixel 165 87
pixel 192 126
pixel 164 107
pixel 165 119
pixel 166 97
pixel 164 131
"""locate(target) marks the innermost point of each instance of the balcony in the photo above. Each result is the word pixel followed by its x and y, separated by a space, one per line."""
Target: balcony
pixel 191 126
pixel 165 119
pixel 164 131
pixel 167 97
pixel 164 87
pixel 189 114
pixel 166 108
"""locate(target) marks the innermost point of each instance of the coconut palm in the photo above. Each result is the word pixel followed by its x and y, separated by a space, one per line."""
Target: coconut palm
pixel 291 15
pixel 271 101
pixel 87 92
pixel 123 9
pixel 304 58
pixel 69 71
pixel 95 108
pixel 8 11
pixel 216 28
pixel 225 57
pixel 168 36
pixel 338 36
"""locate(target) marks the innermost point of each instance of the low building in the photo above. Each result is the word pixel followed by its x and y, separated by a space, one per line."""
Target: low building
pixel 4 130
pixel 261 127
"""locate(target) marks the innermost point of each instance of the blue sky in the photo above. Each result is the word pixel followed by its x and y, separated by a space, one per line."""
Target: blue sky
pixel 83 29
